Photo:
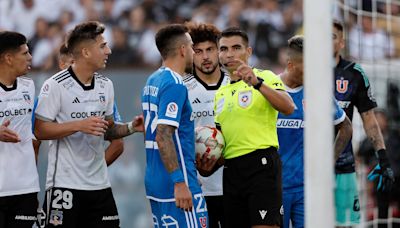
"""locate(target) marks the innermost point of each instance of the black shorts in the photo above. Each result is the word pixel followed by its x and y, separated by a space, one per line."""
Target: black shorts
pixel 18 211
pixel 215 208
pixel 253 189
pixel 72 208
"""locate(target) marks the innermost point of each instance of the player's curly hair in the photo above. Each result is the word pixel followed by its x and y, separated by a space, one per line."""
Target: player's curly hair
pixel 203 32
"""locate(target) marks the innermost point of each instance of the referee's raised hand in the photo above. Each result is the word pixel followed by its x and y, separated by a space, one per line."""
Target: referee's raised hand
pixel 245 72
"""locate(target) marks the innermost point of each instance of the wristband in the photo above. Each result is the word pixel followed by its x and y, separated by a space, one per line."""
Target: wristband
pixel 381 155
pixel 130 128
pixel 177 176
pixel 259 83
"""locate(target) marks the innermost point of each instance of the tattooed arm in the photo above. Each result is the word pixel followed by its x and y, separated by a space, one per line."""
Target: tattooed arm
pixel 117 130
pixel 166 146
pixel 372 130
pixel 343 137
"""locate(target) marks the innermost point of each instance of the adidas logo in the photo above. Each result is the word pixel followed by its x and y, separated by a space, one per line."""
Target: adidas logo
pixel 76 100
pixel 196 101
pixel 263 213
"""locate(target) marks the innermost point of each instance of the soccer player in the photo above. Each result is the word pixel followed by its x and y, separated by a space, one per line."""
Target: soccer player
pixel 171 181
pixel 291 136
pixel 252 185
pixel 352 88
pixel 116 147
pixel 75 111
pixel 19 182
pixel 207 77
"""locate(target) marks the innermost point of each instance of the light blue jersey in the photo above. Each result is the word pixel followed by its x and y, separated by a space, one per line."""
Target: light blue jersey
pixel 291 149
pixel 165 101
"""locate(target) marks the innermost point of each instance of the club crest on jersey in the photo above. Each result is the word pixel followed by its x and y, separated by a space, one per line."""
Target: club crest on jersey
pixel 245 98
pixel 56 217
pixel 102 99
pixel 342 85
pixel 172 110
pixel 203 221
pixel 27 98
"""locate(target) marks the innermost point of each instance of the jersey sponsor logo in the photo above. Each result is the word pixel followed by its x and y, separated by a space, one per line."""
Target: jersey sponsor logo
pixel 15 112
pixel 290 123
pixel 245 98
pixel 110 218
pixel 344 104
pixel 196 101
pixel 150 90
pixel 342 85
pixel 263 213
pixel 200 114
pixel 172 110
pixel 25 218
pixel 56 217
pixel 76 100
pixel 82 115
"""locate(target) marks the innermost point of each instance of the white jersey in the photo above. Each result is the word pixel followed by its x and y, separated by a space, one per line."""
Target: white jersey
pixel 76 161
pixel 201 97
pixel 18 173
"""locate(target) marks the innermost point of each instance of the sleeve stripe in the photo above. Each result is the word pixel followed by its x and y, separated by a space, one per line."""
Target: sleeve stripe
pixel 168 122
pixel 340 119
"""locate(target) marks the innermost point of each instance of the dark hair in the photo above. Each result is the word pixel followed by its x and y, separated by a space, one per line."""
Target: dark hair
pixel 234 31
pixel 295 47
pixel 83 32
pixel 203 32
pixel 338 25
pixel 63 50
pixel 11 41
pixel 166 38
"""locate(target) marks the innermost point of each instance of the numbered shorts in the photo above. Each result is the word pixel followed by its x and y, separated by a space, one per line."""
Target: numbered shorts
pixel 346 200
pixel 78 208
pixel 18 211
pixel 166 214
pixel 252 186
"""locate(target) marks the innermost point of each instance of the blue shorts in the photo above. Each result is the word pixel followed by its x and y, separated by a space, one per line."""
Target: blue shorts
pixel 166 214
pixel 293 206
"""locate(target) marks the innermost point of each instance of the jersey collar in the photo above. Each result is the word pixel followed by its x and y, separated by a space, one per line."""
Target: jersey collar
pixel 9 88
pixel 84 87
pixel 208 87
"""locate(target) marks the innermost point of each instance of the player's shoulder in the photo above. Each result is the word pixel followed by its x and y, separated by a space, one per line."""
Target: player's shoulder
pixel 188 78
pixel 169 77
pixel 59 77
pixel 265 73
pixel 25 81
pixel 100 77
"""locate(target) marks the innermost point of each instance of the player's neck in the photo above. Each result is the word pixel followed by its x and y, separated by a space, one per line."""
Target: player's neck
pixel 210 79
pixel 337 59
pixel 83 73
pixel 6 76
pixel 290 81
pixel 175 65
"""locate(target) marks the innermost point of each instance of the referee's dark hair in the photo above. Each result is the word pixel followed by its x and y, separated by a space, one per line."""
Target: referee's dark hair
pixel 86 31
pixel 11 41
pixel 235 31
pixel 203 32
pixel 169 38
pixel 295 47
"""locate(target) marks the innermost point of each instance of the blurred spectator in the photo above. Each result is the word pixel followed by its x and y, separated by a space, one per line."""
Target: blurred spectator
pixel 41 26
pixel 367 42
pixel 23 16
pixel 122 54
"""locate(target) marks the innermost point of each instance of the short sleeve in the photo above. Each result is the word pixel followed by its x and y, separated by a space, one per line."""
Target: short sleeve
pixel 49 101
pixel 110 101
pixel 172 100
pixel 339 114
pixel 271 79
pixel 364 99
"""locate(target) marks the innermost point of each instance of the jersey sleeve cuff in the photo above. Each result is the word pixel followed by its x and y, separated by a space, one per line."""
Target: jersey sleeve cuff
pixel 341 119
pixel 168 122
pixel 40 117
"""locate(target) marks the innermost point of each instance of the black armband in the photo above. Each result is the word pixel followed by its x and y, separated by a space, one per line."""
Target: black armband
pixel 259 83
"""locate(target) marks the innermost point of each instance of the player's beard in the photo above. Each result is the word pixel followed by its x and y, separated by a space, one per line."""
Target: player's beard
pixel 189 68
pixel 205 70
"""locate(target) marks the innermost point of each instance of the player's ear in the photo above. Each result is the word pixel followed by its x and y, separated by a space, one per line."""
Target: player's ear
pixel 85 52
pixel 182 50
pixel 249 51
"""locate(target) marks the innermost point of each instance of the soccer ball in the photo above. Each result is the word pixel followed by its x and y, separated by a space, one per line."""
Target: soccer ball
pixel 209 140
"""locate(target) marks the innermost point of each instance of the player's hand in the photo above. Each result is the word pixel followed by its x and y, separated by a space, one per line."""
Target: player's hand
pixel 8 135
pixel 385 177
pixel 245 72
pixel 205 164
pixel 183 196
pixel 138 123
pixel 93 125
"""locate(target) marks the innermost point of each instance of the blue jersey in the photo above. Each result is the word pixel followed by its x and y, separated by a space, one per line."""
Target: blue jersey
pixel 291 141
pixel 165 101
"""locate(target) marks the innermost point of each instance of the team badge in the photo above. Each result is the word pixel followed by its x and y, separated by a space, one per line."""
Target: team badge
pixel 342 85
pixel 172 110
pixel 203 221
pixel 27 98
pixel 102 99
pixel 56 217
pixel 245 98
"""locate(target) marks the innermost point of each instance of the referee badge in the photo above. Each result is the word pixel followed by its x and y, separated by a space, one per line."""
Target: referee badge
pixel 245 98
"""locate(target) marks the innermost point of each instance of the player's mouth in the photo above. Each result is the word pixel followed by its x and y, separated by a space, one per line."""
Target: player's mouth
pixel 207 64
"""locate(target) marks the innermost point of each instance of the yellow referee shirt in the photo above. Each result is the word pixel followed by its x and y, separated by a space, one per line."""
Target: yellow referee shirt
pixel 247 119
